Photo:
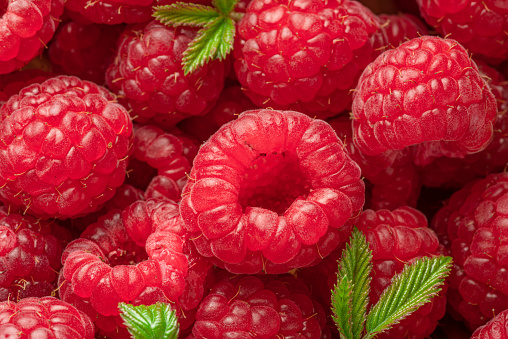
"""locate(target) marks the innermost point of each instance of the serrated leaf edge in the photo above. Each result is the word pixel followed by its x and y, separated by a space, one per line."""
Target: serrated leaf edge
pixel 411 273
pixel 185 14
pixel 136 322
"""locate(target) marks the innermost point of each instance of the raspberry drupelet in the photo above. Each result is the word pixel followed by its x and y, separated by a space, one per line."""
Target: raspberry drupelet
pixel 471 225
pixel 26 26
pixel 63 149
pixel 480 26
pixel 427 94
pixel 304 55
pixel 259 307
pixel 148 77
pixel 271 191
pixel 45 317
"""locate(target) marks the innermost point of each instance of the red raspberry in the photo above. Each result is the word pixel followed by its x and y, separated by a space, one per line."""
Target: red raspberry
pixel 232 101
pixel 396 29
pixel 29 255
pixel 453 172
pixel 45 317
pixel 85 51
pixel 12 83
pixel 427 94
pixel 478 25
pixel 271 191
pixel 496 328
pixel 388 187
pixel 148 74
pixel 167 154
pixel 114 12
pixel 259 307
pixel 26 26
pixel 64 146
pixel 304 55
pixel 471 228
pixel 397 238
pixel 109 264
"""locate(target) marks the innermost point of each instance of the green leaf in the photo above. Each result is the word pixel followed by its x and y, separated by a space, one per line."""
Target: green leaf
pixel 415 286
pixel 356 265
pixel 185 14
pixel 157 321
pixel 214 41
pixel 341 307
pixel 224 6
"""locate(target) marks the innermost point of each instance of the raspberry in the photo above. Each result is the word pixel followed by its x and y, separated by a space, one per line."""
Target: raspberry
pixel 232 101
pixel 26 26
pixel 259 307
pixel 388 187
pixel 496 328
pixel 147 72
pixel 396 238
pixel 114 12
pixel 109 264
pixel 45 317
pixel 304 55
pixel 471 227
pixel 167 154
pixel 453 172
pixel 271 191
pixel 84 50
pixel 12 83
pixel 478 25
pixel 64 146
pixel 29 256
pixel 396 29
pixel 426 94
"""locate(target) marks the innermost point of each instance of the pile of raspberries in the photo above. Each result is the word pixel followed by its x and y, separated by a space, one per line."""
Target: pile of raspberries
pixel 230 192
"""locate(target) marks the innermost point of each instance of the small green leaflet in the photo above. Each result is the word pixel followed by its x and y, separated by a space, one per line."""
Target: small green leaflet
pixel 214 41
pixel 415 286
pixel 215 38
pixel 185 14
pixel 355 266
pixel 157 321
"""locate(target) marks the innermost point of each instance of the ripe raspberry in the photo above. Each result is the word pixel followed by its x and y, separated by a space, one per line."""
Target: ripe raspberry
pixel 427 94
pixel 114 12
pixel 304 55
pixel 167 154
pixel 26 26
pixel 109 264
pixel 478 25
pixel 12 83
pixel 29 256
pixel 396 29
pixel 496 328
pixel 64 146
pixel 471 226
pixel 397 238
pixel 259 307
pixel 232 101
pixel 85 51
pixel 148 74
pixel 45 317
pixel 453 172
pixel 388 187
pixel 271 191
